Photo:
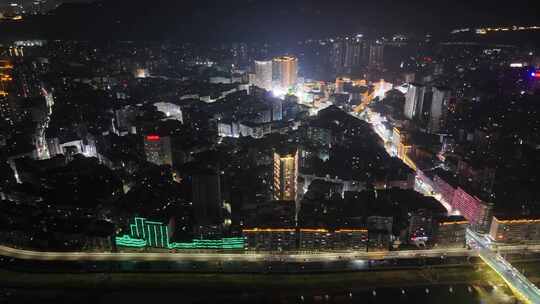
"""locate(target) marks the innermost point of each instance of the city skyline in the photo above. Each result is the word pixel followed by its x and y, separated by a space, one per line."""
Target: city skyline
pixel 260 152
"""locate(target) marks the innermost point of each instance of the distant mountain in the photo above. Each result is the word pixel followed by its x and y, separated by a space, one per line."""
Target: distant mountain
pixel 212 20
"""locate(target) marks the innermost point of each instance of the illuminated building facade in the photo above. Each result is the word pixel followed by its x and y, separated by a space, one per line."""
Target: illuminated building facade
pixel 414 100
pixel 376 52
pixel 223 243
pixel 451 232
pixel 71 146
pixel 145 233
pixel 400 141
pixel 324 239
pixel 140 73
pixel 263 74
pixel 270 239
pixel 439 104
pixel 158 149
pixel 313 239
pixel 347 54
pixel 285 71
pixel 381 88
pixel 350 238
pixel 515 230
pixel 6 107
pixel 442 187
pixel 171 110
pixel 155 234
pixel 472 208
pixel 285 176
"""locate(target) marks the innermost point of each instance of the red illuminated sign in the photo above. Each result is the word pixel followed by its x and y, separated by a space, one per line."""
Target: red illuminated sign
pixel 152 137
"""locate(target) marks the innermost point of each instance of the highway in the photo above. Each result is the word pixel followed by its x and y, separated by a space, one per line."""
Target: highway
pixel 247 256
pixel 515 280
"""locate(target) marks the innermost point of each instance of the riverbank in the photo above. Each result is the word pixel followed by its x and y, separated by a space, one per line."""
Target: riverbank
pixel 448 275
pixel 530 269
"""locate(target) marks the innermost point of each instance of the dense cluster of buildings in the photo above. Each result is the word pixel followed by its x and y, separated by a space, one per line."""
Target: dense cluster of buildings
pixel 16 9
pixel 457 137
pixel 222 150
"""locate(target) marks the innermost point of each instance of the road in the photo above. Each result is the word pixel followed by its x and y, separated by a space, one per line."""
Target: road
pixel 247 256
pixel 515 280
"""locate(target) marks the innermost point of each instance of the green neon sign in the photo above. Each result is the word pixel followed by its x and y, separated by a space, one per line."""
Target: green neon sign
pixel 128 241
pixel 144 233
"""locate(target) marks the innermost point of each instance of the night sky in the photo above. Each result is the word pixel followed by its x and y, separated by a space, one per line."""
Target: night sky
pixel 266 20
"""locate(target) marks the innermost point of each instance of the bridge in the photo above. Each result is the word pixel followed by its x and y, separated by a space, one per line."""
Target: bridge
pixel 480 244
pixel 519 284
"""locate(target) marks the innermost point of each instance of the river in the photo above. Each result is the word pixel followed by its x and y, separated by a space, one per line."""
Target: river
pixel 440 294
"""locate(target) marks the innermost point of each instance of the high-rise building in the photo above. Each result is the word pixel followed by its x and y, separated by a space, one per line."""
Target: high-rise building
pixel 263 74
pixel 25 7
pixel 439 104
pixel 353 53
pixel 376 55
pixel 476 211
pixel 336 56
pixel 285 71
pixel 414 100
pixel 285 175
pixel 207 204
pixel 239 52
pixel 158 149
pixel 347 54
pixel 7 109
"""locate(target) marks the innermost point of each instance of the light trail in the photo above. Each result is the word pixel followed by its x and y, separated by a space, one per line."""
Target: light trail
pixel 246 255
pixel 517 282
pixel 218 256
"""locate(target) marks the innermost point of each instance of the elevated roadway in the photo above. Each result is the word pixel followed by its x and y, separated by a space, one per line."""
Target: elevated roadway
pixel 519 284
pixel 25 254
pixel 219 256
